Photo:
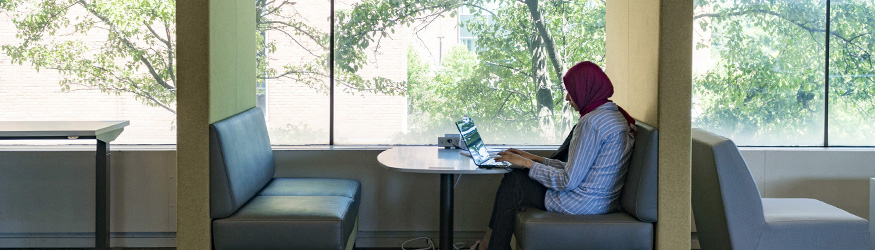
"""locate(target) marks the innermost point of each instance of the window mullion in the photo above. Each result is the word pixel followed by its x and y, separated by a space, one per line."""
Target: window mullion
pixel 331 78
pixel 826 80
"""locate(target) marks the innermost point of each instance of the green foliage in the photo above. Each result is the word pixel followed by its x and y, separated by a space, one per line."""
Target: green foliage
pixel 137 55
pixel 504 42
pixel 495 84
pixel 357 29
pixel 767 87
pixel 852 74
pixel 294 134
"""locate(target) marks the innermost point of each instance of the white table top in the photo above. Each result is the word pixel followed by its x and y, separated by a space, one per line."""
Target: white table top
pixel 434 160
pixel 14 129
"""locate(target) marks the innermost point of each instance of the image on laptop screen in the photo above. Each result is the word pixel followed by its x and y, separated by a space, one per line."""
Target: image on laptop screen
pixel 473 141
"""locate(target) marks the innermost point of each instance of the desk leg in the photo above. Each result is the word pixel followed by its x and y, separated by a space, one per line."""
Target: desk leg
pixel 446 232
pixel 101 228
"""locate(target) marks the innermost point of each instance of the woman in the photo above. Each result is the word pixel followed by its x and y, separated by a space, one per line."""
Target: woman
pixel 591 180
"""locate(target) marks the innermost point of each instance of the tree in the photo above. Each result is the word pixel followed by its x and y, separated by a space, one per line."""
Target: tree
pixel 525 47
pixel 524 62
pixel 282 16
pixel 767 86
pixel 514 77
pixel 137 57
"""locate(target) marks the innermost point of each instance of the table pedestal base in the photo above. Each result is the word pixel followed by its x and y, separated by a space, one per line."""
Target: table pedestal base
pixel 446 227
pixel 101 225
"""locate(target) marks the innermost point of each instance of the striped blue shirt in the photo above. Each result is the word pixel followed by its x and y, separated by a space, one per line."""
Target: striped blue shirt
pixel 598 157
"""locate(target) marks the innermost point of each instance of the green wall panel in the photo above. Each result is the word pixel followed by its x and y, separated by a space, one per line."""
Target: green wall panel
pixel 232 57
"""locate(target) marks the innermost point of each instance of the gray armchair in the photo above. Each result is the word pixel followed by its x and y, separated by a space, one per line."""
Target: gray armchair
pixel 731 215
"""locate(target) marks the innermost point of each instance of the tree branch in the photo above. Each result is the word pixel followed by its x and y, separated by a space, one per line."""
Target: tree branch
pixel 170 55
pixel 515 70
pixel 298 42
pixel 271 26
pixel 165 42
pixel 498 111
pixel 136 90
pixel 558 66
pixel 778 15
pixel 480 7
pixel 289 72
pixel 128 44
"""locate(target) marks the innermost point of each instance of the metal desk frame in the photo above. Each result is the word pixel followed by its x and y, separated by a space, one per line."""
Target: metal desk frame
pixel 102 131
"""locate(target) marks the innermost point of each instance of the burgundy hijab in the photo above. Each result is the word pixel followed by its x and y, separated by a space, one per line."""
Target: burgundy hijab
pixel 590 87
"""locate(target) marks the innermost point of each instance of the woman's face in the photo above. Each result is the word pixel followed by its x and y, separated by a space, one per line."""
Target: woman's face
pixel 571 102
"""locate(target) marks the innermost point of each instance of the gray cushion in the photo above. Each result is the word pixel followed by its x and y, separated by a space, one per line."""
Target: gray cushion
pixel 731 215
pixel 794 223
pixel 288 222
pixel 313 187
pixel 239 148
pixel 538 229
pixel 639 195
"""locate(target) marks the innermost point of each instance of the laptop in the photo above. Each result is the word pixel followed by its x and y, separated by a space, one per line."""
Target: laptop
pixel 476 147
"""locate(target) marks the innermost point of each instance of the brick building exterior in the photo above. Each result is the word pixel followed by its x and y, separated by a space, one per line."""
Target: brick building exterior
pixel 297 114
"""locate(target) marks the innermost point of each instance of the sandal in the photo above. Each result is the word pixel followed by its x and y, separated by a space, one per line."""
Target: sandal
pixel 475 246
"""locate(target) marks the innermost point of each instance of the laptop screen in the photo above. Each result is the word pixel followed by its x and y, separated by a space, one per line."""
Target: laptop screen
pixel 472 140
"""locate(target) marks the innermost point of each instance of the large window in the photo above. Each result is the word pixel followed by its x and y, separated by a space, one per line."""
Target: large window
pixel 760 67
pixel 404 71
pixel 852 73
pixel 293 40
pixel 91 60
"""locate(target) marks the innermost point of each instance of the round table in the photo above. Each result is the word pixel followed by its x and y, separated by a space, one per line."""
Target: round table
pixel 436 160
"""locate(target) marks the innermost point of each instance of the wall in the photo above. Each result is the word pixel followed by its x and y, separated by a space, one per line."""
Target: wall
pixel 649 60
pixel 232 61
pixel 47 197
pixel 216 70
pixel 632 46
pixel 193 225
pixel 675 93
pixel 838 176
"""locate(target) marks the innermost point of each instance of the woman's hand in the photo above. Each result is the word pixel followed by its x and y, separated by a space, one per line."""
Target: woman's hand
pixel 525 154
pixel 514 159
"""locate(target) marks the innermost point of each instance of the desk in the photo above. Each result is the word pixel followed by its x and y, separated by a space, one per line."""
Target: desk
pixel 435 160
pixel 102 131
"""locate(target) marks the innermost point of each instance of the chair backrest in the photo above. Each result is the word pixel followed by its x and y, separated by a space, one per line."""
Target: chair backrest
pixel 726 201
pixel 241 161
pixel 639 195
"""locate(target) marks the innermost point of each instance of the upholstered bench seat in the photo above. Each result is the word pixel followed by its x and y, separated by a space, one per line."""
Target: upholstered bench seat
pixel 630 228
pixel 731 213
pixel 783 217
pixel 312 187
pixel 288 222
pixel 539 229
pixel 253 210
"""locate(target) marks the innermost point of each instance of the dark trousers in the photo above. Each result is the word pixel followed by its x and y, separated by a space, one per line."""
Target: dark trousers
pixel 515 192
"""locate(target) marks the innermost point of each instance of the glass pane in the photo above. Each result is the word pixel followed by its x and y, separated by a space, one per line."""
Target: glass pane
pixel 407 70
pixel 758 70
pixel 852 73
pixel 293 75
pixel 90 61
